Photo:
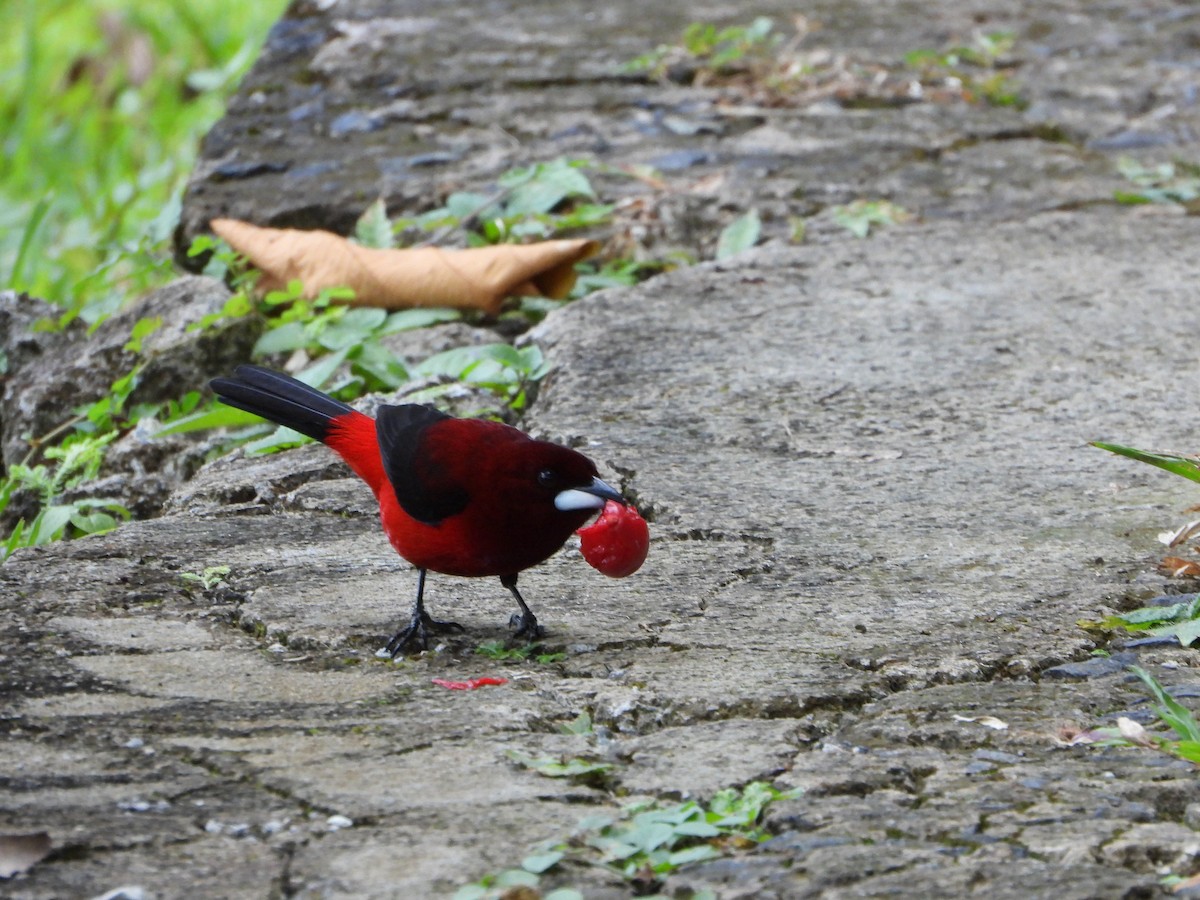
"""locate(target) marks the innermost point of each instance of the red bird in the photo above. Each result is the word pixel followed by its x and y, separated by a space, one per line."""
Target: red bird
pixel 464 497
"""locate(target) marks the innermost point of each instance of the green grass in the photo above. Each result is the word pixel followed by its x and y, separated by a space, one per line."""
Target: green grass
pixel 102 106
pixel 644 844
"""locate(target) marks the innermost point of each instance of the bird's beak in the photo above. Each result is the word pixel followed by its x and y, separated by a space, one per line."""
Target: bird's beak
pixel 594 496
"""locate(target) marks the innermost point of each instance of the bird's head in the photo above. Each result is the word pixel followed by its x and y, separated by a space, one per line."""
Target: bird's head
pixel 567 479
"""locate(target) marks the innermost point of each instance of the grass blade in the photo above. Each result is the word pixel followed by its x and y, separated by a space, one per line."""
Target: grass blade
pixel 36 217
pixel 1186 466
pixel 1174 713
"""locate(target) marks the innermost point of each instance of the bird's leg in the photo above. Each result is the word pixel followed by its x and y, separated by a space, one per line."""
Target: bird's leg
pixel 420 625
pixel 525 621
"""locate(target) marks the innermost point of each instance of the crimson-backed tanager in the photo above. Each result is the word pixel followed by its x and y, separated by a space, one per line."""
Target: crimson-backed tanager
pixel 465 497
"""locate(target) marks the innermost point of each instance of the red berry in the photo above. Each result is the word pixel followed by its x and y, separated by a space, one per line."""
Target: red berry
pixel 616 544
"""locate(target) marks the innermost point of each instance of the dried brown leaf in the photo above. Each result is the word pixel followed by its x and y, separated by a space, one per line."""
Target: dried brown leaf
pixel 476 278
pixel 1178 567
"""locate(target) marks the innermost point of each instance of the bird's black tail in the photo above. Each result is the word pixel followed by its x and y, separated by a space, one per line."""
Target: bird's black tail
pixel 280 398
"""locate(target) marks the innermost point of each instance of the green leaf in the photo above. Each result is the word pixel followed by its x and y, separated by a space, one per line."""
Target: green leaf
pixel 373 228
pixel 1189 750
pixel 49 524
pixel 476 364
pixel 15 540
pixel 93 523
pixel 563 894
pixel 294 291
pixel 516 878
pixel 28 240
pixel 352 328
pixel 381 365
pixel 322 370
pixel 1130 198
pixel 407 319
pixel 283 339
pixel 1174 713
pixel 1188 632
pixel 544 187
pixel 1152 615
pixel 698 828
pixel 462 204
pixel 581 724
pixel 651 835
pixel 282 438
pixel 505 354
pixel 220 416
pixel 555 768
pixel 739 235
pixel 142 329
pixel 1186 466
pixel 540 862
pixel 693 854
pixel 470 892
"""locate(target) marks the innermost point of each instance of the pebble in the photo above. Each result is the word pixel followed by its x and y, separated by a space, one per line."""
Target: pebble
pixel 1096 667
pixel 125 892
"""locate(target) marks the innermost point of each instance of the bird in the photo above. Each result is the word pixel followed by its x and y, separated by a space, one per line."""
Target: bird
pixel 457 496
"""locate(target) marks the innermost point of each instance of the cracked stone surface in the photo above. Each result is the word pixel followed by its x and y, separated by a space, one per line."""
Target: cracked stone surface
pixel 873 510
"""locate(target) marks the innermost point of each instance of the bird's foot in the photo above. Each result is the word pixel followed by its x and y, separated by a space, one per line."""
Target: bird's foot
pixel 415 635
pixel 527 626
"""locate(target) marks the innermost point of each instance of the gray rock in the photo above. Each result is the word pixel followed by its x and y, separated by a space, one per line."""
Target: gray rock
pixel 1095 667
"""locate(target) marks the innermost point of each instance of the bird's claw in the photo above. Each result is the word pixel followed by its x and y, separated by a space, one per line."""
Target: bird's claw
pixel 416 634
pixel 527 626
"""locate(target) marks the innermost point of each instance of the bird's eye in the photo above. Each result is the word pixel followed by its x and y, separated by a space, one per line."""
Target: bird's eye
pixel 547 477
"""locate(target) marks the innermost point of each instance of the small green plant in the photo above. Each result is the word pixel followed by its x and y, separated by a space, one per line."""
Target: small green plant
pixel 860 216
pixel 210 579
pixel 712 49
pixel 1163 183
pixel 1178 620
pixel 504 885
pixel 498 650
pixel 739 235
pixel 1187 466
pixel 646 842
pixel 581 724
pixel 975 71
pixel 504 370
pixel 1185 742
pixel 610 273
pixel 577 769
pixel 69 464
pixel 534 201
pixel 374 228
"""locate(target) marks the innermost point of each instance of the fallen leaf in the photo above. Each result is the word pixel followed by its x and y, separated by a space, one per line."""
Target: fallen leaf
pixel 739 235
pixel 1072 736
pixel 1175 538
pixel 1178 567
pixel 1130 730
pixel 475 278
pixel 18 852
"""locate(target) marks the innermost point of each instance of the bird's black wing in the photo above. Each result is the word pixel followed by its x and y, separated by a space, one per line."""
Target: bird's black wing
pixel 421 483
